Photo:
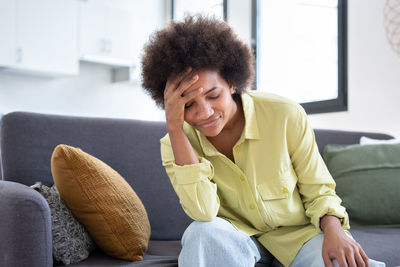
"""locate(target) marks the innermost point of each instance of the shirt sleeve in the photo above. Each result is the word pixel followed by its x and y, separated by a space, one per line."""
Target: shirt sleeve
pixel 192 183
pixel 315 183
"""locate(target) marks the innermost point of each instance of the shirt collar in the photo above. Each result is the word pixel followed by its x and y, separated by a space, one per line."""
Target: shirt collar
pixel 251 125
pixel 250 130
pixel 208 148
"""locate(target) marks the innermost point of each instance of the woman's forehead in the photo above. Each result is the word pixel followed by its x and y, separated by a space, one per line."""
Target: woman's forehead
pixel 209 76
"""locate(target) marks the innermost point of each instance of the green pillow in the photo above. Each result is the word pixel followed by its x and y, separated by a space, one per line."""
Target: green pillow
pixel 368 181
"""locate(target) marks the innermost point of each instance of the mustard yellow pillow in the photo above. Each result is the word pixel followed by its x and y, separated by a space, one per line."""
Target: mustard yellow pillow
pixel 102 201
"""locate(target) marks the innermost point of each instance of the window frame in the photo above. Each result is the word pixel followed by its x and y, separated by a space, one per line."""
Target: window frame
pixel 323 106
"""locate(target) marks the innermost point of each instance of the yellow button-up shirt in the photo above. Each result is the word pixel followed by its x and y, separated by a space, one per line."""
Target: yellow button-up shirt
pixel 278 186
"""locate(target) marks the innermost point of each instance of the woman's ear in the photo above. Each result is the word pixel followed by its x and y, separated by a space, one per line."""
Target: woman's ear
pixel 232 88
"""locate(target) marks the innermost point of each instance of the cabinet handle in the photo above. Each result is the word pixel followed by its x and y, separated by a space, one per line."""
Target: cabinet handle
pixel 103 46
pixel 109 46
pixel 19 55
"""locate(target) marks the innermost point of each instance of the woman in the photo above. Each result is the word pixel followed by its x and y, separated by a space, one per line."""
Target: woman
pixel 244 165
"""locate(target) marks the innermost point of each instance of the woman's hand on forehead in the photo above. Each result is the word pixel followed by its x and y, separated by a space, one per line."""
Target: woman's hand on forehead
pixel 177 95
pixel 183 81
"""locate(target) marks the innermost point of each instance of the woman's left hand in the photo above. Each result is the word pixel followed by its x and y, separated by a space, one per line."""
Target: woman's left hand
pixel 337 245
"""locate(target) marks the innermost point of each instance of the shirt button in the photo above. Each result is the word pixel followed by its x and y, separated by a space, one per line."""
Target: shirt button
pixel 285 190
pixel 241 178
pixel 252 206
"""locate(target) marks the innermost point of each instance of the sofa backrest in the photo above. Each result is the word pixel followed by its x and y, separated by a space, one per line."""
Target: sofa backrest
pixel 131 147
pixel 325 137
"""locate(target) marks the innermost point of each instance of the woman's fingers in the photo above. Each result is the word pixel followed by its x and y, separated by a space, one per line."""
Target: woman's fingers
pixel 364 257
pixel 186 84
pixel 174 81
pixel 180 76
pixel 327 260
pixel 355 257
pixel 191 95
pixel 359 261
pixel 182 90
pixel 183 100
pixel 350 257
pixel 177 95
pixel 341 259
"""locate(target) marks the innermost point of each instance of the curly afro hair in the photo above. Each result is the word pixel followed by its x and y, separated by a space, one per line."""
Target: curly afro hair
pixel 203 43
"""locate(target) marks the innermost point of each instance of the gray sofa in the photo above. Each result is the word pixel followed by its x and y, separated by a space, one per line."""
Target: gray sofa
pixel 131 147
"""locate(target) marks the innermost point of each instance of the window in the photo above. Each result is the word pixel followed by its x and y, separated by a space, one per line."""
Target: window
pixel 300 48
pixel 210 7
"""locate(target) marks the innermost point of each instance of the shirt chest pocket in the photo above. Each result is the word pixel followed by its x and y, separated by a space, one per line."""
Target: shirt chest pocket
pixel 280 198
pixel 276 188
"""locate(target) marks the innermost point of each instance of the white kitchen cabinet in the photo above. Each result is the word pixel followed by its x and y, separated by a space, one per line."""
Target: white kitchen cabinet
pixel 7 32
pixel 106 33
pixel 44 39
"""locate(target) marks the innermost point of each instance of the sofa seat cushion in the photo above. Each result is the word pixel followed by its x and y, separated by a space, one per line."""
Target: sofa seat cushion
pixel 381 244
pixel 159 254
pixel 102 201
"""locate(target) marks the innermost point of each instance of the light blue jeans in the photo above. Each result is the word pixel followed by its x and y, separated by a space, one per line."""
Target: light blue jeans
pixel 218 243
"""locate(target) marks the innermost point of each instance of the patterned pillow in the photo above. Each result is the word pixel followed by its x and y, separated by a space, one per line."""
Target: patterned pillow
pixel 71 241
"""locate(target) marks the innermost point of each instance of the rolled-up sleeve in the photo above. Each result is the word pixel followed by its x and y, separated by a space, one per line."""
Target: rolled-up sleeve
pixel 315 183
pixel 193 185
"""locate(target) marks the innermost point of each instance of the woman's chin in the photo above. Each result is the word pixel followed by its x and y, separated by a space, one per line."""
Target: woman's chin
pixel 209 132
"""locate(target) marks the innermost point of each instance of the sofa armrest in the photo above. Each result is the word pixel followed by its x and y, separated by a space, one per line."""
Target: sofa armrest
pixel 25 227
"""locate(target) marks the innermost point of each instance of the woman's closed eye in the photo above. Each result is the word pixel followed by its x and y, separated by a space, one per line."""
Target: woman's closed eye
pixel 210 94
pixel 213 96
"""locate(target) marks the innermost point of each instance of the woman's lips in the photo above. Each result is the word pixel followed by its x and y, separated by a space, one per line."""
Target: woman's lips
pixel 209 123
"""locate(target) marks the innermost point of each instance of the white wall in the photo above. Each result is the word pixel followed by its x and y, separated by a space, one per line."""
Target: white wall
pixel 373 75
pixel 89 94
pixel 373 78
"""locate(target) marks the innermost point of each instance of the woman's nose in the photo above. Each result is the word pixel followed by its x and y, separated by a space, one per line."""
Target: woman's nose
pixel 205 111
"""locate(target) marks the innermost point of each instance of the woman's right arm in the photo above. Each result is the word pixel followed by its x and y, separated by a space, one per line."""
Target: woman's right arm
pixel 190 176
pixel 176 96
